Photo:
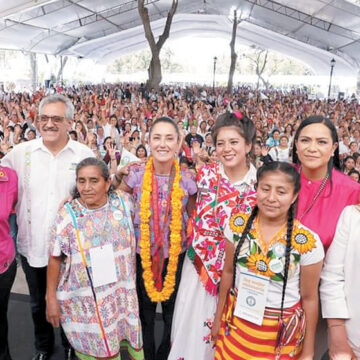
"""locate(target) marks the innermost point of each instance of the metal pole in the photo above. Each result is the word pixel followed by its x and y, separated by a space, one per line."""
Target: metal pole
pixel 215 58
pixel 332 62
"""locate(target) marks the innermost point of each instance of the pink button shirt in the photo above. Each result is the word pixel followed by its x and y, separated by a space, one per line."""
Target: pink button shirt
pixel 324 215
pixel 8 198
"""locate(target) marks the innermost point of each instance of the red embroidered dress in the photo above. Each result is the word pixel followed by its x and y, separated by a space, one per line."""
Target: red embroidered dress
pixel 197 296
pixel 216 199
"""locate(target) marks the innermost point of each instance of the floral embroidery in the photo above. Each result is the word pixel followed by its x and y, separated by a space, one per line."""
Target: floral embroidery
pixel 117 301
pixel 213 211
pixel 302 240
pixel 259 263
pixel 238 222
pixel 257 256
pixel 208 323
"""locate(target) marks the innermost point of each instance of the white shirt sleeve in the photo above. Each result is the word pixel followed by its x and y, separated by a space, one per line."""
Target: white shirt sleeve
pixel 332 295
pixel 314 256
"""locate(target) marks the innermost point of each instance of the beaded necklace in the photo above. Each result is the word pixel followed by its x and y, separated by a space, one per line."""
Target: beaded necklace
pixel 318 193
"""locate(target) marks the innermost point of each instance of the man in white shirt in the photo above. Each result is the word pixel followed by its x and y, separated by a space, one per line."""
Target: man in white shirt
pixel 46 172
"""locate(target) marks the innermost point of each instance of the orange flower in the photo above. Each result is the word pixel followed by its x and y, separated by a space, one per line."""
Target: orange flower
pixel 259 264
pixel 175 234
pixel 302 240
pixel 238 222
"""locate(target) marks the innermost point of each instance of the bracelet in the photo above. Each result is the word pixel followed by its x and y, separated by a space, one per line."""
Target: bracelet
pixel 335 325
pixel 118 179
pixel 114 159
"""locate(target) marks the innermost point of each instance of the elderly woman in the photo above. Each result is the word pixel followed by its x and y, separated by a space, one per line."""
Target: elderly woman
pixel 339 290
pixel 8 197
pixel 91 286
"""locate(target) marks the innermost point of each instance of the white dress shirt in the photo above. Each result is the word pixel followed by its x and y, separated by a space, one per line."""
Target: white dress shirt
pixel 340 285
pixel 44 181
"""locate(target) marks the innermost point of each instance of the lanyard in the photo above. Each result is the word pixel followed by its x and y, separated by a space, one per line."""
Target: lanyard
pixel 77 232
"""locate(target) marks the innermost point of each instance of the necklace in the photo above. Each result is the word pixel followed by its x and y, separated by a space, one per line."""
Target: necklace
pixel 175 227
pixel 318 193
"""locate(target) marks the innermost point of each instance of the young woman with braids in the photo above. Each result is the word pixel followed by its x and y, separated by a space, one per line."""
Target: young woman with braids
pixel 268 302
pixel 221 186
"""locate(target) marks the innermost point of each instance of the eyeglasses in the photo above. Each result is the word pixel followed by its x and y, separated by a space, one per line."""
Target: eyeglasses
pixel 55 119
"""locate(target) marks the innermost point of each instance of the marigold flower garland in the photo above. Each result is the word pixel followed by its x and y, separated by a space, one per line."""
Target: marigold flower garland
pixel 175 234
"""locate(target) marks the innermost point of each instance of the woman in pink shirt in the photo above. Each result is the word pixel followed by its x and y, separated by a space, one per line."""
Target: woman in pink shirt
pixel 8 197
pixel 325 191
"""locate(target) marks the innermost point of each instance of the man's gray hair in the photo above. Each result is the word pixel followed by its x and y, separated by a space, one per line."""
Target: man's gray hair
pixel 56 98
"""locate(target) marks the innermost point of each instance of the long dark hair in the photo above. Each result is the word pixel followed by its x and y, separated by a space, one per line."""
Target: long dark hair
pixel 334 160
pixel 291 172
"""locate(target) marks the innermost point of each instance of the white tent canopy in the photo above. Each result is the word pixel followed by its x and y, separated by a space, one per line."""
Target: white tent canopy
pixel 313 31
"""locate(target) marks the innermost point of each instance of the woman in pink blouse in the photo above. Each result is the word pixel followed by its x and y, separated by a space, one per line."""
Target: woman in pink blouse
pixel 8 198
pixel 325 191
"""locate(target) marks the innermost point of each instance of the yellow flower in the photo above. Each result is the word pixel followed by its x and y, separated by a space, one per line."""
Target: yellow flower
pixel 302 240
pixel 259 263
pixel 175 234
pixel 238 222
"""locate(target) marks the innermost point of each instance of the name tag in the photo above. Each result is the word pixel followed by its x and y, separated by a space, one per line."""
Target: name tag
pixel 251 298
pixel 103 265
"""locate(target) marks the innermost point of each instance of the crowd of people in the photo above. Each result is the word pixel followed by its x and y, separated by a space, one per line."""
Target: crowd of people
pixel 227 209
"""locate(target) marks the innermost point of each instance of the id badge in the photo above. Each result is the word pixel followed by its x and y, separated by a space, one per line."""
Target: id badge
pixel 103 265
pixel 251 298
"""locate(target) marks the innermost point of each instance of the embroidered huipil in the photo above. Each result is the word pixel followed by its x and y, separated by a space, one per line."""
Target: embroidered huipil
pixel 118 303
pixel 135 179
pixel 216 198
pixel 197 296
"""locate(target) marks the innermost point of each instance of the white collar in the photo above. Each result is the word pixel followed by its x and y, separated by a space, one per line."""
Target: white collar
pixel 249 178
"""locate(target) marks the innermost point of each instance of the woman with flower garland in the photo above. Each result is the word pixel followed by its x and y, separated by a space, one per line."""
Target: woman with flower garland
pixel 268 303
pixel 222 186
pixel 163 198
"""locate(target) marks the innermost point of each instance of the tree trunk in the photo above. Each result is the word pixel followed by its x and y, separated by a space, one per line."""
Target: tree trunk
pixel 34 70
pixel 233 55
pixel 261 69
pixel 63 62
pixel 154 71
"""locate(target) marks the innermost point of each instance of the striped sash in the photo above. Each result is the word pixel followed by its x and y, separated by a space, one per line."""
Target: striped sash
pixel 240 339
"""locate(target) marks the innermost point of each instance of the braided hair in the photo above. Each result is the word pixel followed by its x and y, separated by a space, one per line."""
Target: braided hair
pixel 295 179
pixel 242 240
pixel 290 222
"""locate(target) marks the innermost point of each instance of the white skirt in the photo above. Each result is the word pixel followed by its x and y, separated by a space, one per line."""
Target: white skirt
pixel 193 317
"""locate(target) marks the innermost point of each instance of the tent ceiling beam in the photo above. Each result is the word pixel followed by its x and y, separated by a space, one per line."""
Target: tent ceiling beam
pixel 97 14
pixel 104 14
pixel 305 18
